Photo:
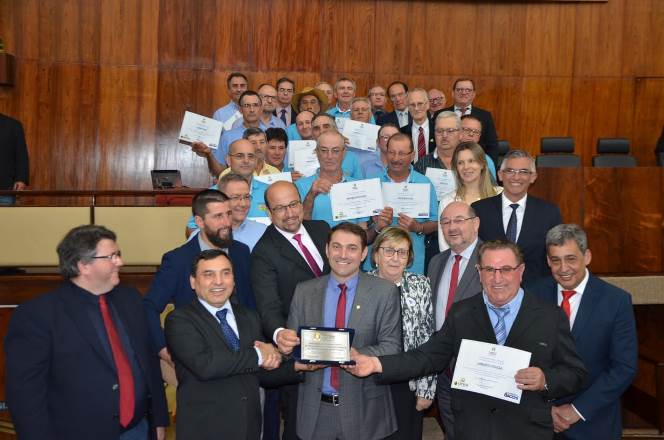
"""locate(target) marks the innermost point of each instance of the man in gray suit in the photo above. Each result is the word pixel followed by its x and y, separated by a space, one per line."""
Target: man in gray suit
pixel 454 278
pixel 333 404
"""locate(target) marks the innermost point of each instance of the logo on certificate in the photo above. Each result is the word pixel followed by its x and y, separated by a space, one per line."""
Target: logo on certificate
pixel 317 336
pixel 493 351
pixel 511 395
pixel 461 383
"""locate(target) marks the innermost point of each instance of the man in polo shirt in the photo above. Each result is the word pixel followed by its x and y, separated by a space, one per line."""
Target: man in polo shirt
pixel 344 91
pixel 376 165
pixel 237 84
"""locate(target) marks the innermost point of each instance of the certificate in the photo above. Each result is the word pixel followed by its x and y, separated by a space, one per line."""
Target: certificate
pixel 443 180
pixel 305 161
pixel 324 345
pixel 200 128
pixel 360 198
pixel 489 369
pixel 411 199
pixel 276 177
pixel 294 146
pixel 360 135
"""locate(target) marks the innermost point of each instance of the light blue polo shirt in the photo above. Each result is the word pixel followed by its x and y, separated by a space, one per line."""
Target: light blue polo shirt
pixel 350 165
pixel 227 138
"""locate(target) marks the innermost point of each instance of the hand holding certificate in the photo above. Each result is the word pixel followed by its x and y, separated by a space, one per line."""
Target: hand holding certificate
pixel 489 369
pixel 324 345
pixel 411 199
pixel 200 128
pixel 360 198
pixel 360 135
pixel 443 180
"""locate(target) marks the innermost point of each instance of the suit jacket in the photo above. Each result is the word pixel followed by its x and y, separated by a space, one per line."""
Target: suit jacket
pixel 540 329
pixel 392 118
pixel 61 378
pixel 13 153
pixel 605 336
pixel 366 409
pixel 489 137
pixel 431 142
pixel 277 267
pixel 539 217
pixel 171 283
pixel 217 395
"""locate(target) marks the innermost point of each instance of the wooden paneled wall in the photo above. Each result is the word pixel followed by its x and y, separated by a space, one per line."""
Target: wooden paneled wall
pixel 101 85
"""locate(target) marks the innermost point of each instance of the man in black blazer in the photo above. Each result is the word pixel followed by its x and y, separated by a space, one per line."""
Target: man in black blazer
pixel 419 124
pixel 516 216
pixel 79 360
pixel 278 263
pixel 217 348
pixel 398 94
pixel 14 167
pixel 503 314
pixel 464 94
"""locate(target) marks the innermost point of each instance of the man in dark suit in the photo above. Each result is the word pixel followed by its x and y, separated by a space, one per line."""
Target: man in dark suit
pixel 505 315
pixel 419 127
pixel 14 167
pixel 464 94
pixel 290 251
pixel 285 110
pixel 398 93
pixel 80 363
pixel 217 348
pixel 332 404
pixel 213 216
pixel 517 216
pixel 453 278
pixel 603 328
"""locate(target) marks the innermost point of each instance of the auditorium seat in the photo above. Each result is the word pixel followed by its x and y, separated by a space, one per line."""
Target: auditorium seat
pixel 613 153
pixel 557 152
pixel 503 148
pixel 660 159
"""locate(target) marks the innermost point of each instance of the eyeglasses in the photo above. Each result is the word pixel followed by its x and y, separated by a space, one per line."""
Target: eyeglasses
pixel 417 105
pixel 249 105
pixel 268 97
pixel 436 100
pixel 377 94
pixel 115 256
pixel 505 270
pixel 332 151
pixel 399 154
pixel 512 172
pixel 240 156
pixel 455 221
pixel 447 131
pixel 280 209
pixel 459 90
pixel 282 90
pixel 389 252
pixel 237 198
pixel 471 131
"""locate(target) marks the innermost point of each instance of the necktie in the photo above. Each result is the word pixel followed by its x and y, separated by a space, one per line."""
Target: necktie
pixel 462 110
pixel 454 281
pixel 567 294
pixel 511 225
pixel 229 335
pixel 283 116
pixel 125 377
pixel 499 329
pixel 311 261
pixel 339 322
pixel 403 119
pixel 421 149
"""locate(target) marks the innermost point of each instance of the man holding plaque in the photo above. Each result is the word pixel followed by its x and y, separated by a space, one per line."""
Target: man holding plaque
pixel 331 403
pixel 507 318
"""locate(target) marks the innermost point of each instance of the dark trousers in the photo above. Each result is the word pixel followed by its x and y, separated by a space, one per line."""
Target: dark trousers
pixel 271 419
pixel 288 405
pixel 409 419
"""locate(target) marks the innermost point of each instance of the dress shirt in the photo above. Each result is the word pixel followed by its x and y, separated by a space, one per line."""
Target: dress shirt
pixel 575 300
pixel 372 165
pixel 444 285
pixel 230 319
pixel 507 213
pixel 415 134
pixel 228 137
pixel 402 116
pixel 336 112
pixel 292 133
pixel 249 232
pixel 332 292
pixel 510 317
pixel 457 110
pixel 274 123
pixel 227 115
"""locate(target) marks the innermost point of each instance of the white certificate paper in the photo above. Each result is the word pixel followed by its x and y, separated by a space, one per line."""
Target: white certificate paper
pixel 200 128
pixel 360 135
pixel 276 177
pixel 305 161
pixel 489 369
pixel 360 198
pixel 443 180
pixel 411 199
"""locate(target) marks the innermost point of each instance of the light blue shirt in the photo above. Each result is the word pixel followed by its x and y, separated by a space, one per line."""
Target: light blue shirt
pixel 322 204
pixel 292 133
pixel 249 232
pixel 372 165
pixel 510 317
pixel 224 113
pixel 227 138
pixel 332 293
pixel 418 240
pixel 336 112
pixel 274 123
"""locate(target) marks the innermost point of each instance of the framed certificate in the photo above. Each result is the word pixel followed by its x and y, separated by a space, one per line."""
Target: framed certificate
pixel 324 345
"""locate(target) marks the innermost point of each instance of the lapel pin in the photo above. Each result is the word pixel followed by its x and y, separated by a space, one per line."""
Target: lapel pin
pixel 357 307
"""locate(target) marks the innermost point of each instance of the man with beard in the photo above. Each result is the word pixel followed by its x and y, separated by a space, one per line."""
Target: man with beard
pixel 213 216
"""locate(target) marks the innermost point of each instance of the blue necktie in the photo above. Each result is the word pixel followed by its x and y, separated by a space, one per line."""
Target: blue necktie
pixel 499 329
pixel 283 116
pixel 228 332
pixel 511 225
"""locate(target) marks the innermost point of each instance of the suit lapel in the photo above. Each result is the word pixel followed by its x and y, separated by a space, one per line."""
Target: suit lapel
pixel 362 297
pixel 481 318
pixel 320 242
pixel 463 288
pixel 588 300
pixel 246 335
pixel 437 276
pixel 529 217
pixel 524 319
pixel 498 206
pixel 210 321
pixel 288 251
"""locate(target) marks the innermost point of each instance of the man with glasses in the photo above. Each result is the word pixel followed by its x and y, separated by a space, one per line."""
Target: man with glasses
pixel 258 139
pixel 504 315
pixel 268 95
pixel 437 101
pixel 464 94
pixel 420 128
pixel 237 84
pixel 79 359
pixel 446 134
pixel 290 251
pixel 517 216
pixel 377 95
pixel 377 164
pixel 398 93
pixel 284 110
pixel 453 278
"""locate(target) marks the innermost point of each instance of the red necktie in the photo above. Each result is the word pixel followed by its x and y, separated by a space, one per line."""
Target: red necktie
pixel 311 261
pixel 454 281
pixel 421 149
pixel 567 294
pixel 339 322
pixel 125 378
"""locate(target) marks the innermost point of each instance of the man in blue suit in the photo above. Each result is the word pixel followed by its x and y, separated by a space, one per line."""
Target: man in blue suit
pixel 602 322
pixel 212 214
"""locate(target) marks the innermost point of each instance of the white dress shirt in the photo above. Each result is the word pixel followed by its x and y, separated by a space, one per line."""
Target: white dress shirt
pixel 444 285
pixel 415 135
pixel 575 300
pixel 457 110
pixel 402 117
pixel 507 213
